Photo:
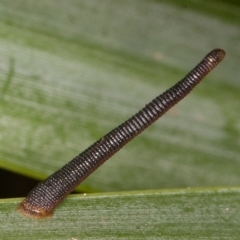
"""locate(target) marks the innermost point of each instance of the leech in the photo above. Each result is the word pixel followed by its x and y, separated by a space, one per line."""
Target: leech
pixel 43 199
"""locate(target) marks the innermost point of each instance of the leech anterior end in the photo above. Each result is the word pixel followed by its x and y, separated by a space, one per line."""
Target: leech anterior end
pixel 43 199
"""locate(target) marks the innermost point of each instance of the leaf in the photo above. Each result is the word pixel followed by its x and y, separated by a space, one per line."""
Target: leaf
pixel 71 71
pixel 168 214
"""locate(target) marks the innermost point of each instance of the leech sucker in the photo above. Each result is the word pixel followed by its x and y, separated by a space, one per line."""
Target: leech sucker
pixel 43 199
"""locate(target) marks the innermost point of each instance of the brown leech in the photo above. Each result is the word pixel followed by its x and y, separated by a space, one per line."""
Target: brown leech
pixel 43 199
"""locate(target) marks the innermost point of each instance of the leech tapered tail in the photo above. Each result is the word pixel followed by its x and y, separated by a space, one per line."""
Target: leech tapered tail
pixel 42 200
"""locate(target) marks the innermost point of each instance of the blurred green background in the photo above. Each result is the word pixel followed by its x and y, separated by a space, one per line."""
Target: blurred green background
pixel 72 70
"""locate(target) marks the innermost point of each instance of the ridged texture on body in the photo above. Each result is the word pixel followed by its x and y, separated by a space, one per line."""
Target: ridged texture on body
pixel 42 200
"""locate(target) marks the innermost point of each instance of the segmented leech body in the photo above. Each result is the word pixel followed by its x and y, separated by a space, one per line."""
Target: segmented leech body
pixel 42 200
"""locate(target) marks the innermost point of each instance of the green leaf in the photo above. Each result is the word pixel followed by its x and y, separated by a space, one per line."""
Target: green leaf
pixel 72 70
pixel 170 214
